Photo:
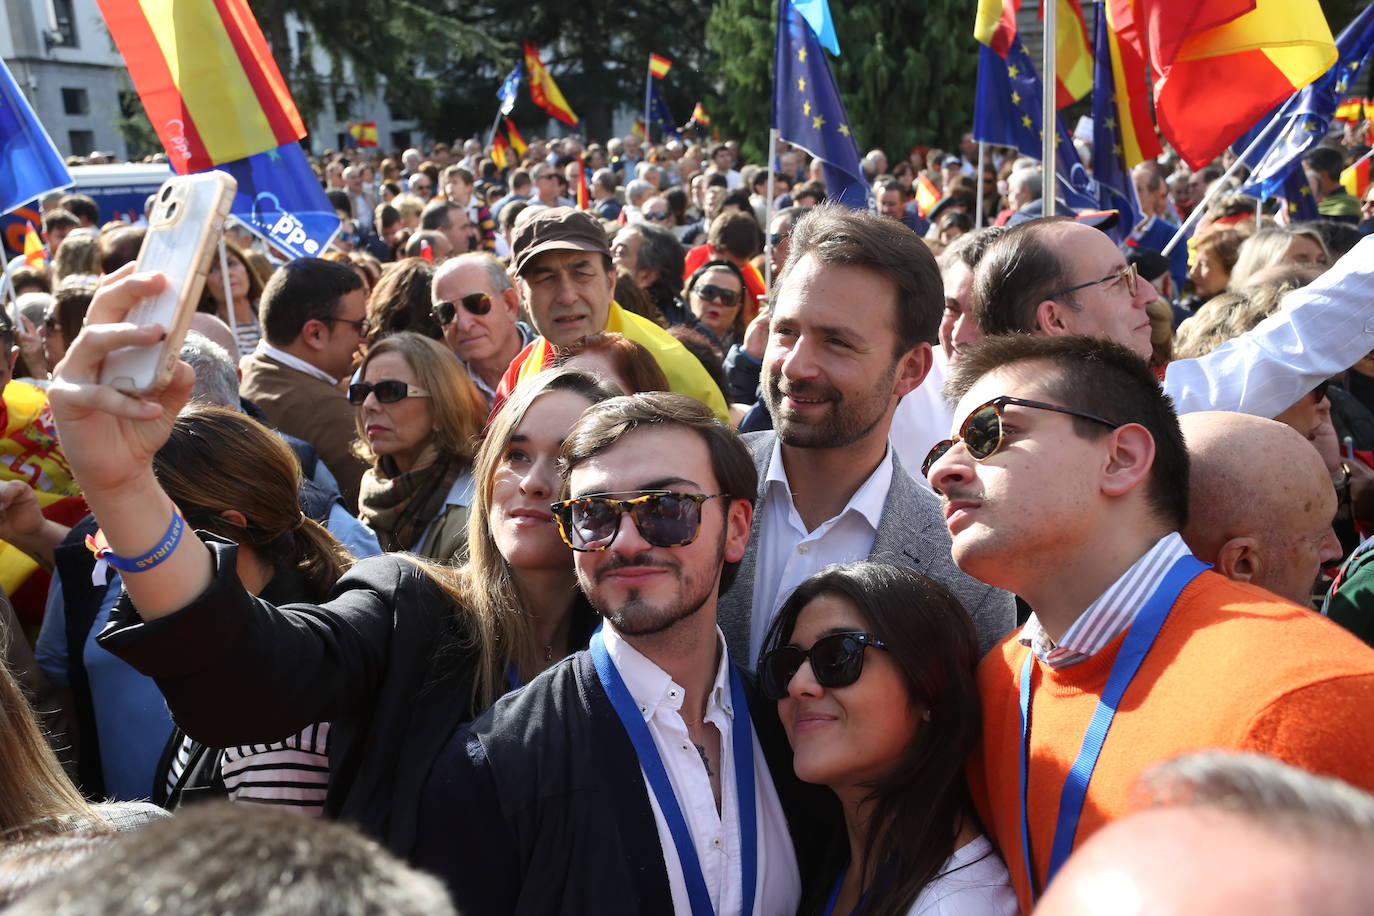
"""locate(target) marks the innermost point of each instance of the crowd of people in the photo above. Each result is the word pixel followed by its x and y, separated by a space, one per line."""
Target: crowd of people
pixel 703 547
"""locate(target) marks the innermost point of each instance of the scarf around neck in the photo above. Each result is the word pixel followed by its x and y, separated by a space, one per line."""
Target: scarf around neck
pixel 398 506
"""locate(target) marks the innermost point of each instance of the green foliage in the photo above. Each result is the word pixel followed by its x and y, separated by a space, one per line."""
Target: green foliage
pixel 906 76
pixel 133 125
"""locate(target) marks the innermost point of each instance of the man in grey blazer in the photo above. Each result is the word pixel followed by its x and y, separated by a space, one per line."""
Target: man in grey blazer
pixel 854 316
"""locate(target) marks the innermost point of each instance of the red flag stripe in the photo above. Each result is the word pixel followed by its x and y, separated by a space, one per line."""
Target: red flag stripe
pixel 261 69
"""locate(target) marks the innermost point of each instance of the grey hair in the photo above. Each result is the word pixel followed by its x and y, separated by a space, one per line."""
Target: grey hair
pixel 496 274
pixel 1030 178
pixel 217 379
pixel 637 190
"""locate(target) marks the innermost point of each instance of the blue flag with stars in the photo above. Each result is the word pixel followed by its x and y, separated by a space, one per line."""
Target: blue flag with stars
pixel 659 113
pixel 30 165
pixel 280 199
pixel 1302 121
pixel 1006 112
pixel 1115 188
pixel 509 90
pixel 807 111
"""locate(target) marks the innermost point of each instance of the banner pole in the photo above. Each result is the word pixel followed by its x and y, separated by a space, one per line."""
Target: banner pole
pixel 1049 114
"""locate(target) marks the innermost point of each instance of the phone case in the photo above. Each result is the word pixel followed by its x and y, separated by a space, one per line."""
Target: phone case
pixel 184 229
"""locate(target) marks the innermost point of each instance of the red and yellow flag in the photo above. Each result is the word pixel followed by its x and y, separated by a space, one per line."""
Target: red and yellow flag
pixel 659 65
pixel 543 90
pixel 995 24
pixel 1356 178
pixel 700 116
pixel 206 77
pixel 499 150
pixel 1350 111
pixel 584 194
pixel 637 128
pixel 1073 53
pixel 1219 66
pixel 927 195
pixel 34 256
pixel 1133 93
pixel 517 142
pixel 363 132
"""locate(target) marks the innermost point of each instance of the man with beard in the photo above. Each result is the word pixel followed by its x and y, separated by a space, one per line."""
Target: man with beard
pixel 850 334
pixel 633 777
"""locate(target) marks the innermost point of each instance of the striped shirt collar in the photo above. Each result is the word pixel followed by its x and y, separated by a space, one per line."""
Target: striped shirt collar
pixel 1111 613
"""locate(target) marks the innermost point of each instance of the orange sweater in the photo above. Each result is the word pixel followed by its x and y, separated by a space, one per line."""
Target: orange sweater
pixel 1233 668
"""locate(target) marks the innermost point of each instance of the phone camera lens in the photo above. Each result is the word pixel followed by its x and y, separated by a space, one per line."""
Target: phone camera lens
pixel 171 208
pixel 166 193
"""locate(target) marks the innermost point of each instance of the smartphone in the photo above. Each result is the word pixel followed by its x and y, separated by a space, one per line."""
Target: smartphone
pixel 184 229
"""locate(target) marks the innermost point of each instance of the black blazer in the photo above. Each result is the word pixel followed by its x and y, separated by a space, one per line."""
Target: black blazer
pixel 539 806
pixel 382 661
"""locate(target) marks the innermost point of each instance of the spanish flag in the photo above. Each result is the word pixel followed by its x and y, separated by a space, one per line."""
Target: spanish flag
pixel 1355 179
pixel 1073 53
pixel 927 195
pixel 206 77
pixel 659 65
pixel 1351 111
pixel 1132 92
pixel 34 256
pixel 363 132
pixel 517 142
pixel 584 194
pixel 700 116
pixel 995 24
pixel 1220 66
pixel 499 149
pixel 543 90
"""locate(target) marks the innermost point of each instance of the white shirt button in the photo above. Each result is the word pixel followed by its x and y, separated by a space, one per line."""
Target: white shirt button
pixel 803 549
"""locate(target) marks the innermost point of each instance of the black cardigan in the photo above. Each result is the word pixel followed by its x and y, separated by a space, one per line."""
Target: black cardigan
pixel 386 661
pixel 540 807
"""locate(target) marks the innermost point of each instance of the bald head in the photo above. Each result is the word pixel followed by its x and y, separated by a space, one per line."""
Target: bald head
pixel 1260 504
pixel 213 327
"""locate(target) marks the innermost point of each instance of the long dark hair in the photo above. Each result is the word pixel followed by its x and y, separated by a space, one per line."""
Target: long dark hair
pixel 916 810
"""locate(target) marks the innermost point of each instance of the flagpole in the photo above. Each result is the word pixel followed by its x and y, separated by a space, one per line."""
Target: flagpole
pixel 1049 114
pixel 768 211
pixel 229 299
pixel 648 89
pixel 978 207
pixel 495 125
pixel 1216 188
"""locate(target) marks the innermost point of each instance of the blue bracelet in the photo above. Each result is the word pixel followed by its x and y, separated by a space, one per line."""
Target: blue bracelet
pixel 97 545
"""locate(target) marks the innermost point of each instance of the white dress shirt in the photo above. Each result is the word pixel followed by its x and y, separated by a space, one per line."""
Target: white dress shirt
pixel 294 362
pixel 923 418
pixel 789 554
pixel 715 835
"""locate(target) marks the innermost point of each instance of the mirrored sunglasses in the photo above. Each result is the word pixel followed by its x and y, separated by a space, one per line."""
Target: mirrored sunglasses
pixel 664 518
pixel 474 303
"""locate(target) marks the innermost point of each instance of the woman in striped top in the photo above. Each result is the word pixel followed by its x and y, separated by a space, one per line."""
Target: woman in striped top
pixel 245 286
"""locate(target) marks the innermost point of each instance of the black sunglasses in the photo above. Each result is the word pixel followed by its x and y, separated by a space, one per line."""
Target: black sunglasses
pixel 710 292
pixel 836 661
pixel 475 303
pixel 388 391
pixel 664 518
pixel 981 431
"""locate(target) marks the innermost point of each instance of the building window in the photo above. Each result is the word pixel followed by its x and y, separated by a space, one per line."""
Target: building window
pixel 82 141
pixel 400 139
pixel 75 101
pixel 63 33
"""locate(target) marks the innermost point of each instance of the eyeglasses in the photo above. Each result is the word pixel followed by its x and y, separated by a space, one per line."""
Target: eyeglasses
pixel 474 303
pixel 982 433
pixel 542 177
pixel 777 238
pixel 362 325
pixel 664 518
pixel 1127 273
pixel 388 391
pixel 656 217
pixel 710 292
pixel 836 661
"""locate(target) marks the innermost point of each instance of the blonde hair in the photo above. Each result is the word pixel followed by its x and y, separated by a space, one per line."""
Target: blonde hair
pixel 502 633
pixel 458 407
pixel 36 797
pixel 1268 247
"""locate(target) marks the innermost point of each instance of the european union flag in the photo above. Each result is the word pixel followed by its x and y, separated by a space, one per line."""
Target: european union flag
pixel 807 111
pixel 509 90
pixel 1306 117
pixel 1298 196
pixel 1115 188
pixel 30 165
pixel 659 114
pixel 1006 112
pixel 281 200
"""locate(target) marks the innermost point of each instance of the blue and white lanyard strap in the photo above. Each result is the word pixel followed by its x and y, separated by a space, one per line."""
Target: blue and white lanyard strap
pixel 1136 645
pixel 742 742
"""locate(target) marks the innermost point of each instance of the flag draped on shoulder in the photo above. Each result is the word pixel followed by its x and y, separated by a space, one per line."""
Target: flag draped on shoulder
pixel 1219 65
pixel 206 77
pixel 280 199
pixel 544 91
pixel 1115 187
pixel 807 110
pixel 30 165
pixel 1302 122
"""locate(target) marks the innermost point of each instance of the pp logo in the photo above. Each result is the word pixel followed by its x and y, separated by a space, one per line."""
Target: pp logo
pixel 281 225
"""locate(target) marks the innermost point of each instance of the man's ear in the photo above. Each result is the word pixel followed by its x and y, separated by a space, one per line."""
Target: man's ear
pixel 1129 459
pixel 314 333
pixel 1239 560
pixel 510 300
pixel 913 368
pixel 1051 318
pixel 737 523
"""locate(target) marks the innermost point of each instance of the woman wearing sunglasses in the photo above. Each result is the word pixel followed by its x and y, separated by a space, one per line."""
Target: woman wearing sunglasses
pixel 402 653
pixel 872 668
pixel 715 294
pixel 418 417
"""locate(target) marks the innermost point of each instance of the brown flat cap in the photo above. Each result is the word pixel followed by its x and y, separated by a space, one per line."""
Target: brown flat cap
pixel 557 229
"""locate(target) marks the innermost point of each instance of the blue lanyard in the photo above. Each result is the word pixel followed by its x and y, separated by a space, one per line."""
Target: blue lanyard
pixel 1139 638
pixel 742 741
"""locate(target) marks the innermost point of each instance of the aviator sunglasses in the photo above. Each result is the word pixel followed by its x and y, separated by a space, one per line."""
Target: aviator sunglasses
pixel 664 518
pixel 982 432
pixel 475 303
pixel 836 661
pixel 388 391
